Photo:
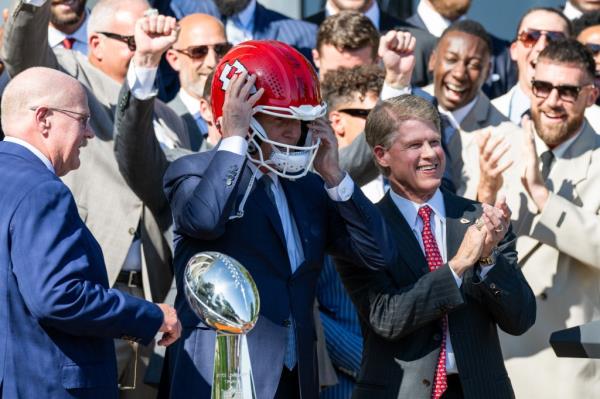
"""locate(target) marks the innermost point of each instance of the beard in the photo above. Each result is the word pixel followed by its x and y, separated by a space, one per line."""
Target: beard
pixel 556 134
pixel 68 18
pixel 229 8
pixel 452 10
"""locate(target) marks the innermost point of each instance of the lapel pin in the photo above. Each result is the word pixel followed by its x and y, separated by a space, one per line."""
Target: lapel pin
pixel 464 221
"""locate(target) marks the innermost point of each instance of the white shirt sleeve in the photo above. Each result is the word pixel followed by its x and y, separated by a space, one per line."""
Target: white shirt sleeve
pixel 456 278
pixel 390 92
pixel 485 270
pixel 36 3
pixel 236 144
pixel 141 81
pixel 343 191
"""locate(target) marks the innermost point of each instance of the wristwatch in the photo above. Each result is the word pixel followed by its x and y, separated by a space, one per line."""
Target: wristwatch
pixel 489 260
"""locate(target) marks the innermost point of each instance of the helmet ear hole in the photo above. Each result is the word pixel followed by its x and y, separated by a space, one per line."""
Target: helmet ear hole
pixel 303 134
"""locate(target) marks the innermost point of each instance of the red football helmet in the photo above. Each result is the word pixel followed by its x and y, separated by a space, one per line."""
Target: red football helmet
pixel 291 90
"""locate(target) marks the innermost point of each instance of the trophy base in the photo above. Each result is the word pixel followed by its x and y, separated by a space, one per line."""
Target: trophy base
pixel 232 377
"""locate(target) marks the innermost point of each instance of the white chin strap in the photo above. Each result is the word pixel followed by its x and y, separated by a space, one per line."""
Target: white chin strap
pixel 287 161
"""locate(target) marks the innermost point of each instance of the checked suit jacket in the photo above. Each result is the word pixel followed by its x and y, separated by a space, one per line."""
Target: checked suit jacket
pixel 401 305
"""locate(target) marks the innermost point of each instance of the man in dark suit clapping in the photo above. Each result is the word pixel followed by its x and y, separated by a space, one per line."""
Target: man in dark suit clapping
pixel 429 316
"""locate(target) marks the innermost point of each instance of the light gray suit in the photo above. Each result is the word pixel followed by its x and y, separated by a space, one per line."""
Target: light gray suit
pixel 195 133
pixel 108 206
pixel 559 253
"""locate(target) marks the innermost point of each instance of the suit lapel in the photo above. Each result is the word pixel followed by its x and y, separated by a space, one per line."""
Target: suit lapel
pixel 458 221
pixel 407 242
pixel 477 118
pixel 573 166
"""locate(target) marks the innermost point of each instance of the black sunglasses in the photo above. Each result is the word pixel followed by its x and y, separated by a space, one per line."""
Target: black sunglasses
pixel 129 40
pixel 594 48
pixel 567 93
pixel 529 37
pixel 199 52
pixel 357 112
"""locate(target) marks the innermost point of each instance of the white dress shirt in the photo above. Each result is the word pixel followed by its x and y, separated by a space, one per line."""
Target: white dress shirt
pixel 240 27
pixel 192 104
pixel 34 150
pixel 519 104
pixel 56 37
pixel 434 22
pixel 571 12
pixel 373 13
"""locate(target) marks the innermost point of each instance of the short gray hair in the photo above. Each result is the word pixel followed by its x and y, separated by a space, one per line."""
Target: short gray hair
pixel 104 11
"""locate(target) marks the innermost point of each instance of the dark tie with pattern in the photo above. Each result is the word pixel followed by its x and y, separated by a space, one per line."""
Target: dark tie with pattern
pixel 547 158
pixel 434 260
pixel 68 43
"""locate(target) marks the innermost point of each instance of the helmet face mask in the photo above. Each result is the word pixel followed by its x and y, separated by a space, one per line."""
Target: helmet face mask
pixel 291 91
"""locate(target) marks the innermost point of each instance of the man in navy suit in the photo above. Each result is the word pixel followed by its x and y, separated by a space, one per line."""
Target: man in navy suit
pixel 58 314
pixel 255 200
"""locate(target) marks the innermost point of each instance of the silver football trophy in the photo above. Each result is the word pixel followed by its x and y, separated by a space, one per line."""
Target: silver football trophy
pixel 223 294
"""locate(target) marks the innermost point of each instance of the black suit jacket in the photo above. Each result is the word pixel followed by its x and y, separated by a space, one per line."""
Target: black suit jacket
pixel 401 306
pixel 425 42
pixel 503 73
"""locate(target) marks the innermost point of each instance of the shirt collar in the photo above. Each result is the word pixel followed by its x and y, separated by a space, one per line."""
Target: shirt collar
pixel 458 115
pixel 191 104
pixel 34 150
pixel 55 37
pixel 559 150
pixel 571 12
pixel 256 171
pixel 519 102
pixel 246 16
pixel 373 13
pixel 410 209
pixel 434 22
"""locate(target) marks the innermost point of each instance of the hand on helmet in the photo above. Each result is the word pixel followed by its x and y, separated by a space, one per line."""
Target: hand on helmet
pixel 326 162
pixel 238 104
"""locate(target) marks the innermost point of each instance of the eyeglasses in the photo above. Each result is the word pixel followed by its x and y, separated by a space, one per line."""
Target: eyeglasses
pixel 84 119
pixel 529 37
pixel 129 40
pixel 594 48
pixel 356 112
pixel 568 93
pixel 199 52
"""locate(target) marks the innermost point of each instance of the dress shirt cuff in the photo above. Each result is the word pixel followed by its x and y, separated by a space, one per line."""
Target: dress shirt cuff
pixel 388 92
pixel 457 279
pixel 343 191
pixel 36 3
pixel 141 81
pixel 236 144
pixel 484 270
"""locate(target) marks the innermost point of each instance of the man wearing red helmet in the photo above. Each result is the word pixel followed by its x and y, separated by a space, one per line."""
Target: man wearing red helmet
pixel 254 199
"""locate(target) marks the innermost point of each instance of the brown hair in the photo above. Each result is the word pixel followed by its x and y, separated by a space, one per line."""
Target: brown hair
pixel 384 120
pixel 348 30
pixel 341 85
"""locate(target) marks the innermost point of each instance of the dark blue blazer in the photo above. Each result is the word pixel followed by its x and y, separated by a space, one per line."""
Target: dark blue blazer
pixel 204 190
pixel 268 24
pixel 57 314
pixel 503 73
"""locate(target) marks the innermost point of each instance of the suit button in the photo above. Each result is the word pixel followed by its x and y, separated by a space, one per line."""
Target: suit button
pixel 544 296
pixel 437 337
pixel 131 231
pixel 493 286
pixel 287 323
pixel 426 382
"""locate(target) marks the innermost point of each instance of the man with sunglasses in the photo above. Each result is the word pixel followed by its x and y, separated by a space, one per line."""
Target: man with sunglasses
pixel 587 31
pixel 199 47
pixel 133 237
pixel 552 189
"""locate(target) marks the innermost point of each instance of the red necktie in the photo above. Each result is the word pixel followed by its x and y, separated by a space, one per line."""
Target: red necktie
pixel 434 259
pixel 68 43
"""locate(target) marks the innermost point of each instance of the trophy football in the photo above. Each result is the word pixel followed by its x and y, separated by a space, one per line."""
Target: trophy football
pixel 223 294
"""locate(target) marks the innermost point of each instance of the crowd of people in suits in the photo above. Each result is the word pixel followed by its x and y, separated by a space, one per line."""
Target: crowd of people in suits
pixel 415 199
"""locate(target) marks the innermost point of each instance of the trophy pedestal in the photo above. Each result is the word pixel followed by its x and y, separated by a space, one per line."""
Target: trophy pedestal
pixel 232 377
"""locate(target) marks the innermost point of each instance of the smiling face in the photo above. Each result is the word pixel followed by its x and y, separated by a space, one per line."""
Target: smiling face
pixel 415 159
pixel 460 66
pixel 591 38
pixel 526 57
pixel 557 120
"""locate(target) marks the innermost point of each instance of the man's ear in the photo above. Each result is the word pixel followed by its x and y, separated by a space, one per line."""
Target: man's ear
pixel 592 97
pixel 41 120
pixel 316 58
pixel 513 50
pixel 432 61
pixel 173 59
pixel 381 156
pixel 206 111
pixel 337 124
pixel 95 46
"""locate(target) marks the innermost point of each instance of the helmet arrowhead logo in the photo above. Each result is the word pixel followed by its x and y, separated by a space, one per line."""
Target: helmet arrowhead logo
pixel 230 70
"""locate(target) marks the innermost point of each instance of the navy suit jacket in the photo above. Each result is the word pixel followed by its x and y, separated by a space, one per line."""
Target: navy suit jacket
pixel 58 315
pixel 204 190
pixel 503 73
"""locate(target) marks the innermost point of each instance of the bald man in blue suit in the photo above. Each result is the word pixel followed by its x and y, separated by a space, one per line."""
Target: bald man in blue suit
pixel 58 316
